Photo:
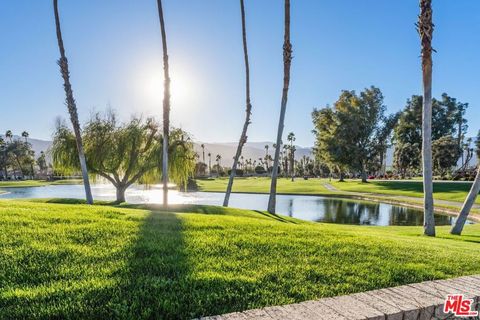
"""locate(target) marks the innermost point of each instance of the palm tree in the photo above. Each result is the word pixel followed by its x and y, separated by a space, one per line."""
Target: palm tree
pixel 287 59
pixel 218 159
pixel 291 138
pixel 9 135
pixel 209 163
pixel 71 105
pixel 470 200
pixel 203 152
pixel 425 30
pixel 266 157
pixel 3 147
pixel 25 135
pixel 248 109
pixel 166 105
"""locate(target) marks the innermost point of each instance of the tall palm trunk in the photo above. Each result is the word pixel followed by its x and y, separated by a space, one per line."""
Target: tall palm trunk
pixel 166 105
pixel 248 110
pixel 425 29
pixel 72 106
pixel 467 205
pixel 287 59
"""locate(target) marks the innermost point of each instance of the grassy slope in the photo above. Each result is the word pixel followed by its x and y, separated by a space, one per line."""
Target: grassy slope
pixel 451 191
pixel 59 260
pixel 442 190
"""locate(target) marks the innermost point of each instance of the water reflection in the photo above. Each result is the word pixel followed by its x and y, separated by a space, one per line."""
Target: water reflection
pixel 321 209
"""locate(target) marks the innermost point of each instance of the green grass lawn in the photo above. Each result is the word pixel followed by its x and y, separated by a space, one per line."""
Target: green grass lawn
pixel 24 183
pixel 449 191
pixel 262 185
pixel 134 262
pixel 36 183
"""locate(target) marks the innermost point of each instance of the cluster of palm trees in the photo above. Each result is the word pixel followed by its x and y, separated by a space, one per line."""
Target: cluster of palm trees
pixel 218 160
pixel 18 155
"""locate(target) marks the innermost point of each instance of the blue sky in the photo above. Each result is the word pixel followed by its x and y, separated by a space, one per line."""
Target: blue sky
pixel 115 58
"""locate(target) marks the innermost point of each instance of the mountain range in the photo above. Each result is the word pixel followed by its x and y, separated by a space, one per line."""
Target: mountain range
pixel 226 150
pixel 251 150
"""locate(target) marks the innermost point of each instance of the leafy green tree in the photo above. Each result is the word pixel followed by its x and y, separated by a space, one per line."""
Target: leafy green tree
pixel 326 151
pixel 348 134
pixel 445 153
pixel 20 156
pixel 260 170
pixel 448 120
pixel 124 153
pixel 405 158
pixel 42 162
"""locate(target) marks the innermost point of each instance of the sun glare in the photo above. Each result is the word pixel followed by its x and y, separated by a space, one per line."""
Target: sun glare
pixel 150 86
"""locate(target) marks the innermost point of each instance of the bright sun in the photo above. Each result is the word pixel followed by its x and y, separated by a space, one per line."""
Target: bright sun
pixel 151 86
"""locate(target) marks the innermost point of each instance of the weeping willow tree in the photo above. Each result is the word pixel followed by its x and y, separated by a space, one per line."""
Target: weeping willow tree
pixel 124 153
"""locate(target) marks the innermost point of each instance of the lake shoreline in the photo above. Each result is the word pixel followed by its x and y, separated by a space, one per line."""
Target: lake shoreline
pixel 451 212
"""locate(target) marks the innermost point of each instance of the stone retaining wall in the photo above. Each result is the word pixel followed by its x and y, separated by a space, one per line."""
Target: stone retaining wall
pixel 419 301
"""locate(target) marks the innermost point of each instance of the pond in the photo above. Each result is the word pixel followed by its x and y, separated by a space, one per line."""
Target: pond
pixel 313 208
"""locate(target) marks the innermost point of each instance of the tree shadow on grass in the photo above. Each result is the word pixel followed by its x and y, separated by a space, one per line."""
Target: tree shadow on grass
pixel 150 282
pixel 154 276
pixel 161 282
pixel 275 216
pixel 154 282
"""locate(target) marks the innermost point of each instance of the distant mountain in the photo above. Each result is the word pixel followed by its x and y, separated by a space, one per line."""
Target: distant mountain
pixel 253 150
pixel 226 150
pixel 37 144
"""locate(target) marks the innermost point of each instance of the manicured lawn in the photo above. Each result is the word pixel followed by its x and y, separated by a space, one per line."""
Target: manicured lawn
pixel 262 185
pixel 66 181
pixel 451 191
pixel 19 184
pixel 78 261
pixel 36 183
